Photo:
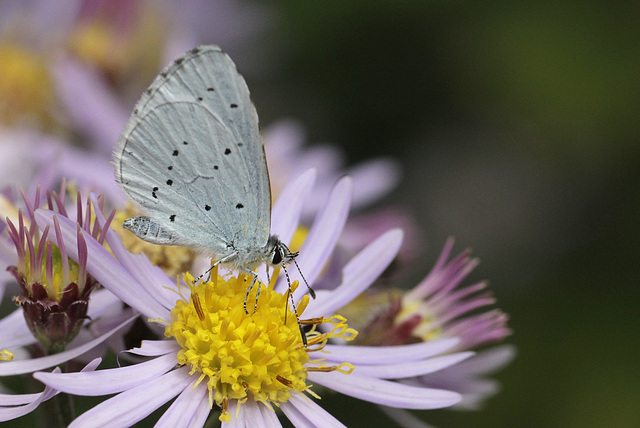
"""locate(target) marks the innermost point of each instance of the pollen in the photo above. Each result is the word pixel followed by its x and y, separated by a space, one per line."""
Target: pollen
pixel 259 355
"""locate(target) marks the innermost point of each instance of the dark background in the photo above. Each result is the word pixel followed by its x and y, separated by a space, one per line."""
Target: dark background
pixel 517 127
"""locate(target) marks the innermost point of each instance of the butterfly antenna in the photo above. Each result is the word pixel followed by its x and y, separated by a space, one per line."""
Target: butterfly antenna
pixel 311 292
pixel 293 303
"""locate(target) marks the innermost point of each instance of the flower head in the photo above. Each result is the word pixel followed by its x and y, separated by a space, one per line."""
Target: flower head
pixel 54 290
pixel 249 363
pixel 438 308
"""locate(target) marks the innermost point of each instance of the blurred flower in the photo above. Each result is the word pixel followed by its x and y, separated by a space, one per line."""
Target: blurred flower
pixel 247 364
pixel 438 308
pixel 72 67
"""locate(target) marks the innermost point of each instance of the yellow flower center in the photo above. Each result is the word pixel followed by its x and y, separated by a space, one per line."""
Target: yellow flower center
pixel 54 281
pixel 428 329
pixel 26 91
pixel 238 355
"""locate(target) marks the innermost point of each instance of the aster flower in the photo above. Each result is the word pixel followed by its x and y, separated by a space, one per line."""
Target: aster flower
pixel 438 308
pixel 54 299
pixel 248 364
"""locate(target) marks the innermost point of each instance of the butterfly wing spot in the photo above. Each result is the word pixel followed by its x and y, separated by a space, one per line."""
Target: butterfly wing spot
pixel 170 167
pixel 215 167
pixel 227 151
pixel 234 105
pixel 199 98
pixel 176 152
pixel 239 206
pixel 169 182
pixel 207 207
pixel 210 89
pixel 185 143
pixel 172 218
pixel 153 192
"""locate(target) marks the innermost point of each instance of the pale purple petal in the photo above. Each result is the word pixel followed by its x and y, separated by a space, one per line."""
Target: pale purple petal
pixel 32 400
pixel 201 414
pixel 150 278
pixel 11 368
pixel 404 418
pixel 105 269
pixel 358 274
pixel 15 332
pixel 184 408
pixel 303 412
pixel 133 405
pixel 373 179
pixel 323 235
pixel 410 369
pixel 388 393
pixel 238 422
pixel 268 415
pixel 91 104
pixel 152 348
pixel 285 215
pixel 385 354
pixel 108 381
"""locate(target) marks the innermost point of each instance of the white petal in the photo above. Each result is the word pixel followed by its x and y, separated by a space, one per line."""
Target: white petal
pixel 385 354
pixel 386 392
pixel 133 405
pixel 358 274
pixel 11 368
pixel 109 381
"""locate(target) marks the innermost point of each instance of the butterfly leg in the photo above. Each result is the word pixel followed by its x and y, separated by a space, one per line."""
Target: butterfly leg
pixel 208 271
pixel 253 282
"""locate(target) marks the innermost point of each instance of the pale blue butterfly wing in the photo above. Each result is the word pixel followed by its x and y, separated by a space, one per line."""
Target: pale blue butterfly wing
pixel 191 156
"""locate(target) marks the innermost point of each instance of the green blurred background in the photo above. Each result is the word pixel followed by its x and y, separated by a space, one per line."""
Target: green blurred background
pixel 516 124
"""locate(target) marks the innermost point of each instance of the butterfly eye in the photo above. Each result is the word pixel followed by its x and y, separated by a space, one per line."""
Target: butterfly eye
pixel 277 256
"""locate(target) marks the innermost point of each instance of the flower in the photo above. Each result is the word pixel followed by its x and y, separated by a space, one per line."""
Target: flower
pixel 54 298
pixel 438 308
pixel 255 366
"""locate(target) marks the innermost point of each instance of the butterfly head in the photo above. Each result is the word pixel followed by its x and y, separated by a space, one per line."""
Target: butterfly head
pixel 279 254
